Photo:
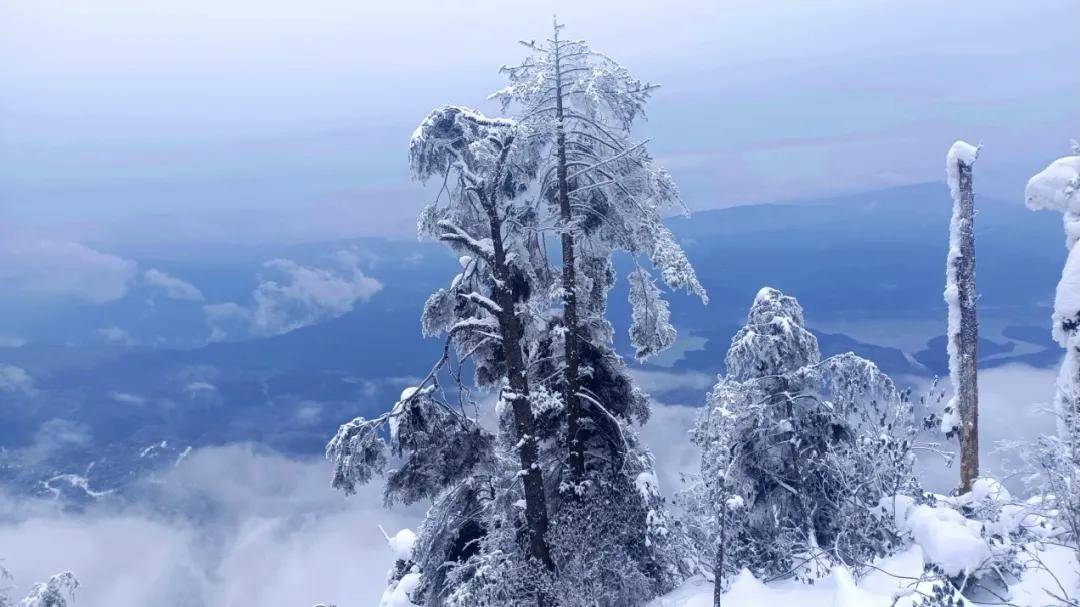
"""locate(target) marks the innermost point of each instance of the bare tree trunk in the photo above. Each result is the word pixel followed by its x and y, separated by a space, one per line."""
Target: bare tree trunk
pixel 572 350
pixel 510 329
pixel 718 562
pixel 967 393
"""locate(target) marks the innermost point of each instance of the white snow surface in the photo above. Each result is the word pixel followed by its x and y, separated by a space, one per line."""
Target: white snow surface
pixel 402 543
pixel 940 535
pixel 948 539
pixel 647 485
pixel 1055 187
pixel 399 407
pixel 879 588
pixel 397 595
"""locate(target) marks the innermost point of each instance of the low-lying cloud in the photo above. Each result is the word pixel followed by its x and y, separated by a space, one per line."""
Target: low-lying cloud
pixel 15 380
pixel 116 336
pixel 253 529
pixel 1014 405
pixel 46 267
pixel 236 525
pixel 171 286
pixel 291 295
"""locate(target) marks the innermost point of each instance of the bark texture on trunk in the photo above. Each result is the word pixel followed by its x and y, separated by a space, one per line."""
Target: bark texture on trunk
pixel 967 346
pixel 510 329
pixel 572 350
pixel 718 563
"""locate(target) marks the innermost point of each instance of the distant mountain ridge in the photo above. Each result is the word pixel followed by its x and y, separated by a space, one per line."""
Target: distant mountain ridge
pixel 868 269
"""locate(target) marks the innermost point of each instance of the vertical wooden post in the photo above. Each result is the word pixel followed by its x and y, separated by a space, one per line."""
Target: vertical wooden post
pixel 967 346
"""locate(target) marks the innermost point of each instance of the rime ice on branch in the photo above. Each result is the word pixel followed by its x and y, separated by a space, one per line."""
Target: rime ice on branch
pixel 602 193
pixel 560 502
pixel 651 331
pixel 58 591
pixel 962 412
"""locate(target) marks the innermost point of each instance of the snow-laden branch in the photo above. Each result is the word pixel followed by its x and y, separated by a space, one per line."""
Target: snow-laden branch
pixel 481 247
pixel 607 161
pixel 482 301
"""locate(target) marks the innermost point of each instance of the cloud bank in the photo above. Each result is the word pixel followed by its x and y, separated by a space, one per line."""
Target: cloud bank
pixel 291 295
pixel 15 380
pixel 236 526
pixel 254 529
pixel 173 287
pixel 45 267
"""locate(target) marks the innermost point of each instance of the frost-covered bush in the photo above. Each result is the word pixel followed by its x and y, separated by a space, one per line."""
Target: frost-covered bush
pixel 798 452
pixel 982 546
pixel 1053 465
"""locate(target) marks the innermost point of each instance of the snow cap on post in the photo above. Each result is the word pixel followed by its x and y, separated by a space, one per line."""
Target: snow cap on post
pixel 964 152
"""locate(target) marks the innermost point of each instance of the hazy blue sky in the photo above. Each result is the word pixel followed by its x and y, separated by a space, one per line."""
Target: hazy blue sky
pixel 125 121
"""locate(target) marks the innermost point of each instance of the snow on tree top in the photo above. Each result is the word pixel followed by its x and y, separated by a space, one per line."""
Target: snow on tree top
pixel 774 340
pixel 770 303
pixel 1055 188
pixel 764 294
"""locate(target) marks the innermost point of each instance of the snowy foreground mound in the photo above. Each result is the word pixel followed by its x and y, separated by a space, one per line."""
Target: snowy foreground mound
pixel 941 539
pixel 896 580
pixel 1011 547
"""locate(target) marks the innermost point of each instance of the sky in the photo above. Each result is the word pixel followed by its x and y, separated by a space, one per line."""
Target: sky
pixel 128 125
pixel 125 122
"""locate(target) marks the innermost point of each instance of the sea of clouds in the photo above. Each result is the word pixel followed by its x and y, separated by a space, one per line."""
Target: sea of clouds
pixel 243 526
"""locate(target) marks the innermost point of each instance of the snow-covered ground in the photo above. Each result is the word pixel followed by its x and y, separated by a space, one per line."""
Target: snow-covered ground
pixel 941 537
pixel 893 581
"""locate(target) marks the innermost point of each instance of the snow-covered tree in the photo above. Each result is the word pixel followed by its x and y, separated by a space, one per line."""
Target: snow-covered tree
pixel 962 412
pixel 797 453
pixel 1057 188
pixel 484 315
pixel 1057 459
pixel 56 592
pixel 5 589
pixel 601 192
pixel 512 505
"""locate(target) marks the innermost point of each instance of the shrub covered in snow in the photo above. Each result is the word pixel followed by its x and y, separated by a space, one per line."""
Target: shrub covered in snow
pixel 984 547
pixel 797 453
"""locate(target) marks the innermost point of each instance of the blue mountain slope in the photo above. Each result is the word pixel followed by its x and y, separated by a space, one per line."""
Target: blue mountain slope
pixel 868 269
